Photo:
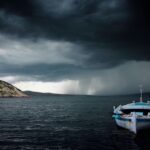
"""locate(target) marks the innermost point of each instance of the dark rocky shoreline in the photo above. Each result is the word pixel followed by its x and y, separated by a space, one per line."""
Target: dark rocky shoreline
pixel 8 90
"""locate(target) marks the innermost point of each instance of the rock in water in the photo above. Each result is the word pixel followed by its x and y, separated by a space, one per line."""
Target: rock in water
pixel 8 90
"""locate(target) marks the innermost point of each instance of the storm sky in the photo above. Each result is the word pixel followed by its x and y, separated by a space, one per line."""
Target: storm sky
pixel 95 47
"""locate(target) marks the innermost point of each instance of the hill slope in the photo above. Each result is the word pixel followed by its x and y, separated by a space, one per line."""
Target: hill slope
pixel 8 90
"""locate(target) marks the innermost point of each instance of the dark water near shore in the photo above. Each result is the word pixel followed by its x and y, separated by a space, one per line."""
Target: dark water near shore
pixel 65 123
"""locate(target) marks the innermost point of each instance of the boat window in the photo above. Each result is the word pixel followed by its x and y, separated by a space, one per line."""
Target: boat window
pixel 138 113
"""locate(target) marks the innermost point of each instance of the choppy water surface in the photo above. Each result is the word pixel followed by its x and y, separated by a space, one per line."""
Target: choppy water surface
pixel 65 123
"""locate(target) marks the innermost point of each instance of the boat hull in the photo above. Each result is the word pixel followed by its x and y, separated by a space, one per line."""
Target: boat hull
pixel 127 123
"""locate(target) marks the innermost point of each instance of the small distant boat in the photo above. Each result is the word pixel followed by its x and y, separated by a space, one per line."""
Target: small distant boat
pixel 134 116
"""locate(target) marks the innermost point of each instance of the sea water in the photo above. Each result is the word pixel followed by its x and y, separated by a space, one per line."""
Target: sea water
pixel 58 122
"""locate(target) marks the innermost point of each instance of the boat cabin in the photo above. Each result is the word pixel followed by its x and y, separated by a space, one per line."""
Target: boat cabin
pixel 144 112
pixel 141 108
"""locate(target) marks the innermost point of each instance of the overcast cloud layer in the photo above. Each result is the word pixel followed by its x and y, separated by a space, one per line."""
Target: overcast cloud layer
pixel 76 47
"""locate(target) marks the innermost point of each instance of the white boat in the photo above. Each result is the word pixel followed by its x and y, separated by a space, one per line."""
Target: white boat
pixel 134 116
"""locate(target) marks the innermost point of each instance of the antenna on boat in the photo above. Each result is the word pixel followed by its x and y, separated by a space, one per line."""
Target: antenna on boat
pixel 141 94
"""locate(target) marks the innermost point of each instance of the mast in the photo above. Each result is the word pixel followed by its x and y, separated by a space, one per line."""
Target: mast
pixel 141 94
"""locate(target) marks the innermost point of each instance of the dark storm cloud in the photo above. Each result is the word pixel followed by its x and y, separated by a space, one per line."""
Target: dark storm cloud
pixel 53 40
pixel 94 18
pixel 45 72
pixel 45 59
pixel 119 25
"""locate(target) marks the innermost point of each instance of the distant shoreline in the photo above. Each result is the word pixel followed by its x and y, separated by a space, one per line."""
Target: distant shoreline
pixel 31 93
